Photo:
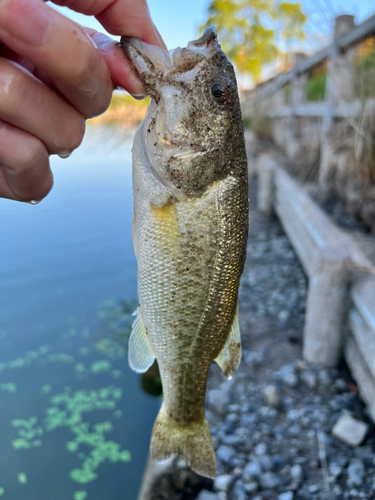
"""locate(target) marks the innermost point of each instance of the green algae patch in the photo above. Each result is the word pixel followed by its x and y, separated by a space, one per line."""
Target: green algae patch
pixel 84 351
pixel 116 374
pixel 46 389
pixel 117 413
pixel 102 451
pixel 69 334
pixel 2 491
pixel 28 434
pixel 60 358
pixel 100 366
pixel 79 495
pixel 22 478
pixel 10 387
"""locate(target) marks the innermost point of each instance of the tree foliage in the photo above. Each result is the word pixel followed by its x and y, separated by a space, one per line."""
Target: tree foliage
pixel 250 30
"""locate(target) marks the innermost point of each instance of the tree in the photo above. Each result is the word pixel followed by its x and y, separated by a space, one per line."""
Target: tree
pixel 249 30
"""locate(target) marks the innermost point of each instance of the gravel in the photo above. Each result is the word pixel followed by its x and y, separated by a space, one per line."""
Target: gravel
pixel 272 422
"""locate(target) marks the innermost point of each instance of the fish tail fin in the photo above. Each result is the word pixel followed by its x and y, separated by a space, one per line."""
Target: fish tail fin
pixel 191 442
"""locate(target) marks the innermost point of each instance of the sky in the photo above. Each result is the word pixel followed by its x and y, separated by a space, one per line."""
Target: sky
pixel 178 21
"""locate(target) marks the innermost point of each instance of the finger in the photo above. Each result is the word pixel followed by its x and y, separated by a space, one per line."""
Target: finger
pixel 119 66
pixel 61 49
pixel 27 103
pixel 25 174
pixel 120 17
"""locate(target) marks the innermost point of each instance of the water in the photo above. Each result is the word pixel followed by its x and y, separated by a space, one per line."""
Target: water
pixel 60 261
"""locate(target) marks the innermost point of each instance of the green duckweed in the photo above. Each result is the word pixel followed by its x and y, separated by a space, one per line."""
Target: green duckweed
pixel 28 434
pixel 10 387
pixel 46 389
pixel 100 366
pixel 2 491
pixel 22 478
pixel 60 358
pixel 80 495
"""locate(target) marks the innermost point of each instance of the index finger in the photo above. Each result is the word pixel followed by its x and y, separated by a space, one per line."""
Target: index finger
pixel 120 17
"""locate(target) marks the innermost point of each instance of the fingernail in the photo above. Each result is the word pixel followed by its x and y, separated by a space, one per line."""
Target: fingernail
pixel 139 97
pixel 34 202
pixel 28 21
pixel 162 42
pixel 64 154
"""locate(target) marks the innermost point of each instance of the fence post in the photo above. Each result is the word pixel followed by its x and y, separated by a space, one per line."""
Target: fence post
pixel 297 98
pixel 339 89
pixel 325 307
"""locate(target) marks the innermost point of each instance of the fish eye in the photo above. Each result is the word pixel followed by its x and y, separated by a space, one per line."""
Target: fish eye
pixel 220 92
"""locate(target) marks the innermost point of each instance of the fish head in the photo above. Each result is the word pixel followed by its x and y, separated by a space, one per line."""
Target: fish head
pixel 193 130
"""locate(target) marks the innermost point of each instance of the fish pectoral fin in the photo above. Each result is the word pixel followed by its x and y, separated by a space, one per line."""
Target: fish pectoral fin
pixel 141 355
pixel 230 355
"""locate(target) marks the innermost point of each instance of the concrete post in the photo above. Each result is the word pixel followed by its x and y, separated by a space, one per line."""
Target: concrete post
pixel 339 89
pixel 266 171
pixel 292 144
pixel 325 307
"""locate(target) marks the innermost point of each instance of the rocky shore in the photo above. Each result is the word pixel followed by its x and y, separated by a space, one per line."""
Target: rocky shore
pixel 282 430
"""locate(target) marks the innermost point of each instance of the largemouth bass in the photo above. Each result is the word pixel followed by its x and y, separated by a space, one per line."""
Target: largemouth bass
pixel 190 233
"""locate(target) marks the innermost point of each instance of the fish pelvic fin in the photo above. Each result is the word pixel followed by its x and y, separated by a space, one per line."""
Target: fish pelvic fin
pixel 192 442
pixel 140 353
pixel 230 355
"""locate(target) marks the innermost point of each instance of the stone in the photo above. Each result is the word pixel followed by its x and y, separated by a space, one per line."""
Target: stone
pixel 225 453
pixel 269 480
pixel 272 396
pixel 223 482
pixel 356 472
pixel 288 495
pixel 309 378
pixel 253 469
pixel 222 496
pixel 251 487
pixel 296 473
pixel 350 430
pixel 261 449
pixel 335 469
pixel 207 495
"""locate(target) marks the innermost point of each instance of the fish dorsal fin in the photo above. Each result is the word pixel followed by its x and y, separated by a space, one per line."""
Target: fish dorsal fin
pixel 141 356
pixel 230 355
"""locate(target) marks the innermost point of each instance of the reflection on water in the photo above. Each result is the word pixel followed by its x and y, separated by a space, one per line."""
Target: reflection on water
pixel 74 423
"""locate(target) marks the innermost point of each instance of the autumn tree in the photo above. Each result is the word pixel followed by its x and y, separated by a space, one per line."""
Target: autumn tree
pixel 250 31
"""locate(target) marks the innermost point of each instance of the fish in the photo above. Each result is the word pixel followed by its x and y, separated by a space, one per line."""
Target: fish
pixel 190 227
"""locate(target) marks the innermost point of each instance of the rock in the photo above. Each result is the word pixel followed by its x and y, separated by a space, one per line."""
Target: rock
pixel 222 496
pixel 350 430
pixel 207 495
pixel 239 493
pixel 269 480
pixel 272 396
pixel 252 470
pixel 265 463
pixel 251 487
pixel 313 488
pixel 261 449
pixel 225 454
pixel 296 473
pixel 356 472
pixel 309 378
pixel 335 469
pixel 288 495
pixel 223 482
pixel 288 375
pixel 294 430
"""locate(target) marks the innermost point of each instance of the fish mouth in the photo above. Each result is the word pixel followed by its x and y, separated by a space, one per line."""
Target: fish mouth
pixel 150 61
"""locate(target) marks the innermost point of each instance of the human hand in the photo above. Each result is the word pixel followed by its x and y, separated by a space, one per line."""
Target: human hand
pixel 54 74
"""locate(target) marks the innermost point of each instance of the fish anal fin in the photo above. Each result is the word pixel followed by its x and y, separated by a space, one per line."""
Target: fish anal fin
pixel 191 442
pixel 230 355
pixel 140 353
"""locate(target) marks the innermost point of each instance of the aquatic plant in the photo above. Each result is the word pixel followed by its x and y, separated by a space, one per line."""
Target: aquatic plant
pixel 80 495
pixel 27 433
pixel 2 491
pixel 8 387
pixel 22 478
pixel 100 366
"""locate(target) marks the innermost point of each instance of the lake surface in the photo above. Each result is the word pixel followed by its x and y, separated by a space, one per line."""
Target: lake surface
pixel 74 421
